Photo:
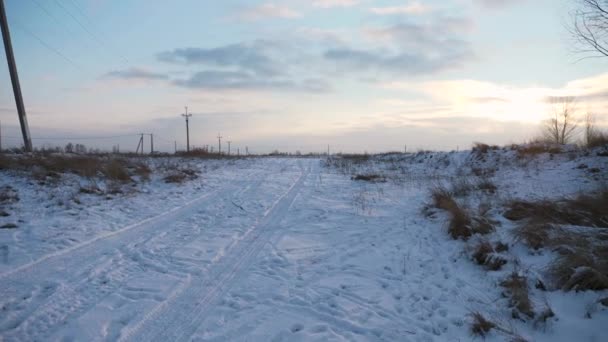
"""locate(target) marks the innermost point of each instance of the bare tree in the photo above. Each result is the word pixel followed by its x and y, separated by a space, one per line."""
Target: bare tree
pixel 561 127
pixel 590 129
pixel 590 27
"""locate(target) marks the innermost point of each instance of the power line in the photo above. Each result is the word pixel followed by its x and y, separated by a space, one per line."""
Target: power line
pixel 48 46
pixel 79 9
pixel 79 138
pixel 52 16
pixel 97 39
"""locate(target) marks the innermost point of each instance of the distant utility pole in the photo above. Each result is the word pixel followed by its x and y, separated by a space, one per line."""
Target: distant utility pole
pixel 219 144
pixel 151 143
pixel 246 150
pixel 12 67
pixel 140 144
pixel 229 142
pixel 238 151
pixel 187 116
pixel 175 146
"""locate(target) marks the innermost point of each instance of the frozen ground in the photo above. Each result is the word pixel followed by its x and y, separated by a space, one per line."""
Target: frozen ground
pixel 270 250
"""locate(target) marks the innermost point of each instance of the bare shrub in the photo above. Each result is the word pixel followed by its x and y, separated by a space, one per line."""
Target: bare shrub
pixel 561 127
pixel 516 288
pixel 480 326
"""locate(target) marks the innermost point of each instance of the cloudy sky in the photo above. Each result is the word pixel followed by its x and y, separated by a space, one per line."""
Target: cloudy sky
pixel 359 75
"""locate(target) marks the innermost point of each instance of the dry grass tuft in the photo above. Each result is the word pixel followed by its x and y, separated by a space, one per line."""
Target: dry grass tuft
pixel 485 184
pixel 374 178
pixel 460 222
pixel 534 149
pixel 46 167
pixel 540 219
pixel 143 171
pixel 116 170
pixel 581 269
pixel 179 174
pixel 516 287
pixel 485 255
pixel 8 195
pixel 480 326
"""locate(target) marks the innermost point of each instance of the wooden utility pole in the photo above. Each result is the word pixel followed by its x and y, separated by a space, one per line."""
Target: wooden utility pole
pixel 12 67
pixel 151 143
pixel 229 142
pixel 175 146
pixel 187 116
pixel 140 144
pixel 219 144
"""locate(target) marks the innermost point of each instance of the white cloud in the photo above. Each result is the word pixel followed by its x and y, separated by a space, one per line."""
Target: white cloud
pixel 412 8
pixel 334 3
pixel 268 10
pixel 507 103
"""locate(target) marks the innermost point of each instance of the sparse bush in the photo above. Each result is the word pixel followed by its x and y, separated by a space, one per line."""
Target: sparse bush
pixel 516 288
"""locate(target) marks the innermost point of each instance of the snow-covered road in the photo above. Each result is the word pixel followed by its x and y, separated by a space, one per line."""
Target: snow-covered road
pixel 264 250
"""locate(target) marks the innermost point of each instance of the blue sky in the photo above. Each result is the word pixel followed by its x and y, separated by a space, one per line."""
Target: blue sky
pixel 359 75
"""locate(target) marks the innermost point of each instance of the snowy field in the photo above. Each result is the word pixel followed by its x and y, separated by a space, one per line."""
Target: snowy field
pixel 284 249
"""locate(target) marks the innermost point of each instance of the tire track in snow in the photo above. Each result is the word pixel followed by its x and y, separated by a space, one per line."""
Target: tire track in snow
pixel 140 224
pixel 178 320
pixel 82 289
